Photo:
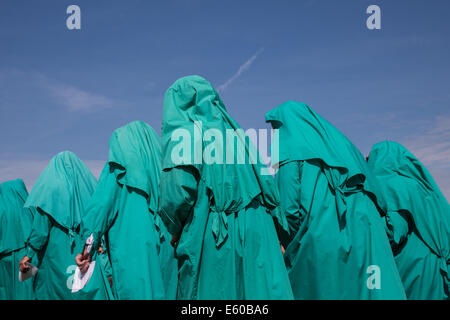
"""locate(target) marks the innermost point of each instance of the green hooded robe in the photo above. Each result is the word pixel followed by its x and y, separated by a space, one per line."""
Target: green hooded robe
pixel 123 210
pixel 224 213
pixel 338 248
pixel 15 225
pixel 418 217
pixel 60 196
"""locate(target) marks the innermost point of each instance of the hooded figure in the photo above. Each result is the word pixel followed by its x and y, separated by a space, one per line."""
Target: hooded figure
pixel 418 217
pixel 221 212
pixel 60 196
pixel 15 225
pixel 123 210
pixel 338 248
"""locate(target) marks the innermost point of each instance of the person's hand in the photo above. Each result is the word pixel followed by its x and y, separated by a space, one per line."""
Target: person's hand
pixel 174 241
pixel 83 260
pixel 282 249
pixel 24 264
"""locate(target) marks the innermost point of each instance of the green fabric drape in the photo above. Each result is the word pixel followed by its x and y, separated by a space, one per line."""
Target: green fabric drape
pixel 15 225
pixel 338 248
pixel 226 215
pixel 419 220
pixel 60 196
pixel 123 210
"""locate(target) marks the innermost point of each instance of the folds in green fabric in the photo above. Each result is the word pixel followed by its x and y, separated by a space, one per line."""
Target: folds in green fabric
pixel 419 220
pixel 222 212
pixel 135 156
pixel 193 105
pixel 15 219
pixel 63 189
pixel 15 225
pixel 60 196
pixel 122 210
pixel 338 248
pixel 304 135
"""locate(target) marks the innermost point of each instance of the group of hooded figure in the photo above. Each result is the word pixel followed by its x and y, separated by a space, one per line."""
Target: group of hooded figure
pixel 331 225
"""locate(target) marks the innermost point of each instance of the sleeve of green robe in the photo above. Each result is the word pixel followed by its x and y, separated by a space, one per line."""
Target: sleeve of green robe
pixel 178 192
pixel 289 176
pixel 398 226
pixel 39 234
pixel 102 210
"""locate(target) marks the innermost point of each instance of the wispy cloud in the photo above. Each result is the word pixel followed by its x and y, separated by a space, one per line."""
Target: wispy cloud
pixel 30 170
pixel 432 147
pixel 76 99
pixel 428 139
pixel 240 71
pixel 69 96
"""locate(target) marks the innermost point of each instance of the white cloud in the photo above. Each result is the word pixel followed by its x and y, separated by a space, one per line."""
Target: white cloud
pixel 241 70
pixel 30 170
pixel 432 147
pixel 76 99
pixel 428 139
pixel 69 96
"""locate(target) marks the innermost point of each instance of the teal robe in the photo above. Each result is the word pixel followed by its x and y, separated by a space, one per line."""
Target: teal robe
pixel 337 248
pixel 418 217
pixel 225 215
pixel 106 265
pixel 15 225
pixel 122 210
pixel 60 196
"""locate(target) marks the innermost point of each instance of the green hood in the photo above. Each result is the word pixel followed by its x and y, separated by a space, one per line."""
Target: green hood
pixel 233 186
pixel 306 136
pixel 135 157
pixel 410 187
pixel 63 190
pixel 15 220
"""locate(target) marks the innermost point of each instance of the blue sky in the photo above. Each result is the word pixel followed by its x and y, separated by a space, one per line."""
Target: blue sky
pixel 68 90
